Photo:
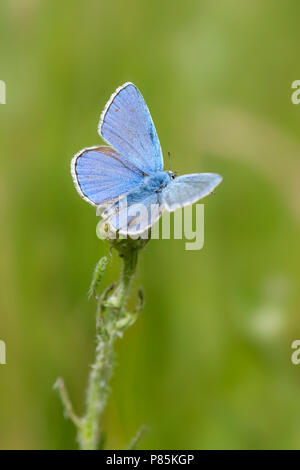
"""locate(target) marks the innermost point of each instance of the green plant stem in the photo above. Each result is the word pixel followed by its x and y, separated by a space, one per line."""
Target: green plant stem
pixel 64 396
pixel 112 320
pixel 137 438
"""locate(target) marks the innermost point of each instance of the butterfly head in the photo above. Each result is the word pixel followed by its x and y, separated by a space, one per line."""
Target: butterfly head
pixel 172 174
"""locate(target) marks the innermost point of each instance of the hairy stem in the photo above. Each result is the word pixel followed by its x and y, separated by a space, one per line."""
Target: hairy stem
pixel 112 320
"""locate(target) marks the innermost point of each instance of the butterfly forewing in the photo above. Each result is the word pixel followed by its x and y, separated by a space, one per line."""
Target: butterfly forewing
pixel 188 189
pixel 127 126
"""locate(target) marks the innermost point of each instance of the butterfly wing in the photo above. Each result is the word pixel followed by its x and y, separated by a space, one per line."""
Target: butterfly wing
pixel 127 126
pixel 136 218
pixel 101 176
pixel 187 189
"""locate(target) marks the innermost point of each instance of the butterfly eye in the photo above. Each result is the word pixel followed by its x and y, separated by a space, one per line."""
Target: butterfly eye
pixel 173 176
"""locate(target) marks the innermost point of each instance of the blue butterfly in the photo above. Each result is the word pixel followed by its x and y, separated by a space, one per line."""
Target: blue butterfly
pixel 131 168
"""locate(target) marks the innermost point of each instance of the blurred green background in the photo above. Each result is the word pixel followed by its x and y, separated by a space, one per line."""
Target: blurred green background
pixel 208 364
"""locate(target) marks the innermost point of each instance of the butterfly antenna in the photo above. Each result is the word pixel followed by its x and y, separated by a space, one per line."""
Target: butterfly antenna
pixel 169 153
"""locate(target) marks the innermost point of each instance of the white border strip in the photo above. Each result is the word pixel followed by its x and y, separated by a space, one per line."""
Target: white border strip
pixel 74 173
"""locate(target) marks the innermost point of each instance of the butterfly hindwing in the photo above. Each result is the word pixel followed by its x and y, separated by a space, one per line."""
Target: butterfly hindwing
pixel 137 217
pixel 101 176
pixel 127 126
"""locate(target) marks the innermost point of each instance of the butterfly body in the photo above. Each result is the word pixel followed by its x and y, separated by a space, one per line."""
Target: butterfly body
pixel 152 185
pixel 157 181
pixel 129 172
